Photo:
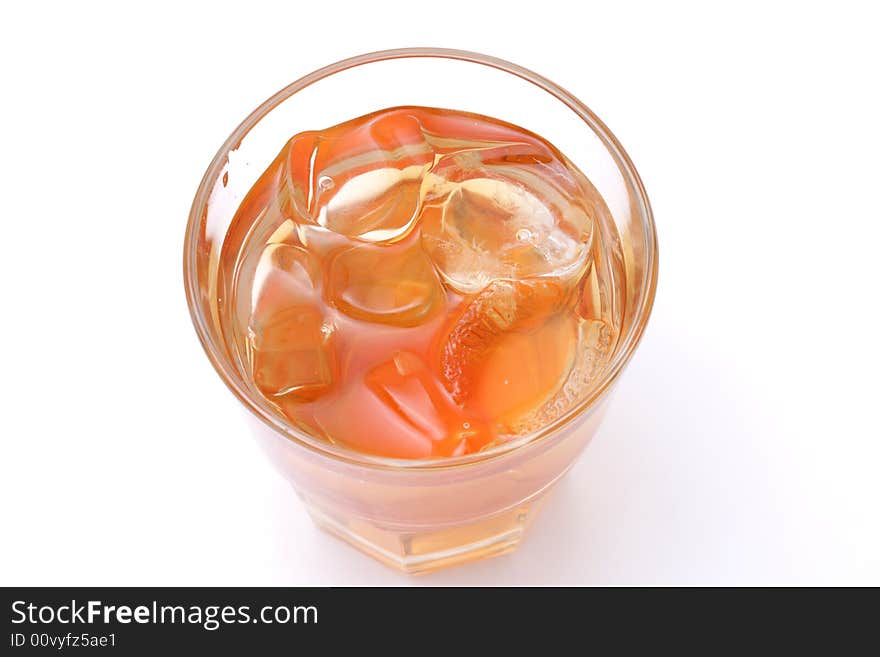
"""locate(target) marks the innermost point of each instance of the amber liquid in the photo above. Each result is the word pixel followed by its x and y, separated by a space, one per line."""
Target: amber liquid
pixel 422 283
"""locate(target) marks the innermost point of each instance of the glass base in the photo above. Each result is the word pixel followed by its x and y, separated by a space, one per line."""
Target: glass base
pixel 428 549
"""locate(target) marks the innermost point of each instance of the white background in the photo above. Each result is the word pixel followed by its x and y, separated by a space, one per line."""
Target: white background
pixel 743 444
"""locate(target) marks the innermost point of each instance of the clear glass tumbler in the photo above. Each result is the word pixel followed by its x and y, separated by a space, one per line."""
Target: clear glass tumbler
pixel 419 515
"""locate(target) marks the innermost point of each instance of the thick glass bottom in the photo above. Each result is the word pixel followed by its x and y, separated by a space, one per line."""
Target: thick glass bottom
pixel 425 549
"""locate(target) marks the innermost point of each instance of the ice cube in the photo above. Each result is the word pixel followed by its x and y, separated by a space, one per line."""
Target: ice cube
pixel 289 340
pixel 285 275
pixel 597 298
pixel 507 211
pixel 359 419
pixel 402 411
pixel 380 205
pixel 361 181
pixel 393 284
pixel 292 354
pixel 406 384
pixel 483 327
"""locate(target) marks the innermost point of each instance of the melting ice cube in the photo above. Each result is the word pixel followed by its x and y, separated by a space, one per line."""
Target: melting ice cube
pixel 386 284
pixel 504 212
pixel 402 402
pixel 362 181
pixel 290 341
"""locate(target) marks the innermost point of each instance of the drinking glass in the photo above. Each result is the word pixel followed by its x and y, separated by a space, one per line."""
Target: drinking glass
pixel 419 515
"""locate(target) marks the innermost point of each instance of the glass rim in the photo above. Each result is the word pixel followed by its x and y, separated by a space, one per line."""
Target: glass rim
pixel 283 430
